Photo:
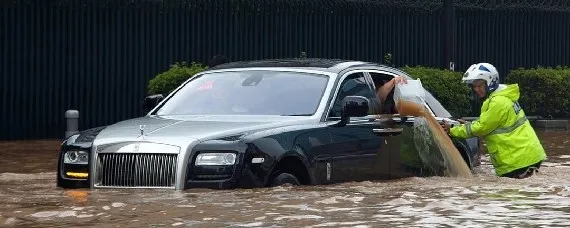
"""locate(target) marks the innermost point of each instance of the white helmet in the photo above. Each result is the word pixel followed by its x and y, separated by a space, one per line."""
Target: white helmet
pixel 484 71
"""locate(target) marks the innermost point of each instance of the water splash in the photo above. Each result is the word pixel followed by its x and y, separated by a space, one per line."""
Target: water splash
pixel 428 150
pixel 455 166
pixel 431 153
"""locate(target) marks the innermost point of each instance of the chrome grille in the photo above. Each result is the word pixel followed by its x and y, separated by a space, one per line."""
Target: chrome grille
pixel 136 170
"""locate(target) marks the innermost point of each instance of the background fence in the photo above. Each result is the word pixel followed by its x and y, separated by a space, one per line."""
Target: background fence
pixel 97 56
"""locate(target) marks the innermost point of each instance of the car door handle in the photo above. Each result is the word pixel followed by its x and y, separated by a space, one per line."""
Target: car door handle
pixel 387 130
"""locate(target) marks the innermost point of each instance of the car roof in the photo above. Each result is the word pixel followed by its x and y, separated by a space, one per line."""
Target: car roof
pixel 329 65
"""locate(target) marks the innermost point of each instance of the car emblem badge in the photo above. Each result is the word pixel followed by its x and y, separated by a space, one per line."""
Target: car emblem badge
pixel 136 148
pixel 141 127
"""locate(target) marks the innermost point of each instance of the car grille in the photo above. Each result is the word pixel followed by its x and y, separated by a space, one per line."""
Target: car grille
pixel 135 170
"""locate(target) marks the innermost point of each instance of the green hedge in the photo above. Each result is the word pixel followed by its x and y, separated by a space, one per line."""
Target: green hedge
pixel 169 80
pixel 544 91
pixel 445 86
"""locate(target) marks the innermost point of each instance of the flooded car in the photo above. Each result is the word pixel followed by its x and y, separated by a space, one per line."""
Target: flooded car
pixel 257 124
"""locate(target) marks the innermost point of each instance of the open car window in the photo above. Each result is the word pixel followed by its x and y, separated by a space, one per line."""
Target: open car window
pixel 433 104
pixel 261 92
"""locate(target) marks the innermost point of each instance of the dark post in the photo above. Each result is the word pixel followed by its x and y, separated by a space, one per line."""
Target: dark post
pixel 450 45
pixel 72 122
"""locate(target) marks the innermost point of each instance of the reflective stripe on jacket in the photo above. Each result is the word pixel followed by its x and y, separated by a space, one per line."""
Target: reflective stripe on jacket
pixel 511 141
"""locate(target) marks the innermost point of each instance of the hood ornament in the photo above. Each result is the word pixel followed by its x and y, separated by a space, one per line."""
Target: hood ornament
pixel 141 128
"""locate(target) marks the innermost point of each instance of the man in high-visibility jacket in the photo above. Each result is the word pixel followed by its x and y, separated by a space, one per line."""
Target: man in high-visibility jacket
pixel 512 144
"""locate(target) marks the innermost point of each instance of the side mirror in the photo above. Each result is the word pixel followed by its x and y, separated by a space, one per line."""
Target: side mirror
pixel 150 102
pixel 353 106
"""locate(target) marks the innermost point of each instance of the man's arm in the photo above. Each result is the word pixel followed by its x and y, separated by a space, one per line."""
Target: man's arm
pixel 488 121
pixel 385 89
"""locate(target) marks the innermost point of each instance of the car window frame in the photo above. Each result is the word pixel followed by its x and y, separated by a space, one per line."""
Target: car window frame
pixel 334 95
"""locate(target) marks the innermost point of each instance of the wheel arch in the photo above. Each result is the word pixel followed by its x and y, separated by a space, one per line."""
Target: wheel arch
pixel 294 164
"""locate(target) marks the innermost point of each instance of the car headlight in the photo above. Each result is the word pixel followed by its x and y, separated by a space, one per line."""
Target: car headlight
pixel 76 157
pixel 215 159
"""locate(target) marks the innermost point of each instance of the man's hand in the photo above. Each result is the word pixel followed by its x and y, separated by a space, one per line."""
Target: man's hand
pixel 385 89
pixel 401 80
pixel 445 126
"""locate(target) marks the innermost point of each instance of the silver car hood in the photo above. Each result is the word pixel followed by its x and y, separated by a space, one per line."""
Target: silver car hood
pixel 181 130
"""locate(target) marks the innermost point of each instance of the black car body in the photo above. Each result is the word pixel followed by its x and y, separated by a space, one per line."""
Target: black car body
pixel 255 124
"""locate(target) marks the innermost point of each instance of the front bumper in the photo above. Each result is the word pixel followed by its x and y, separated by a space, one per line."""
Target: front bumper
pixel 212 177
pixel 240 179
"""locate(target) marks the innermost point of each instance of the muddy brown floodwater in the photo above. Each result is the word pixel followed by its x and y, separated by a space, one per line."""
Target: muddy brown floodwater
pixel 29 198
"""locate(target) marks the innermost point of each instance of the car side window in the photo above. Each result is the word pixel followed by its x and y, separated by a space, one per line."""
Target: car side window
pixel 388 105
pixel 353 85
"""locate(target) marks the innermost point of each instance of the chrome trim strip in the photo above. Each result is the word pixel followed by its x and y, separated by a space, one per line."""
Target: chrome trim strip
pixel 126 187
pixel 388 130
pixel 138 147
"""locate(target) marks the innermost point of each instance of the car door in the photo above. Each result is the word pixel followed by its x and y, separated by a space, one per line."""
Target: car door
pixel 411 159
pixel 357 152
pixel 405 159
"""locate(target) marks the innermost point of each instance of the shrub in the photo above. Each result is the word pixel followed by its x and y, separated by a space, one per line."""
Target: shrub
pixel 446 87
pixel 167 81
pixel 544 91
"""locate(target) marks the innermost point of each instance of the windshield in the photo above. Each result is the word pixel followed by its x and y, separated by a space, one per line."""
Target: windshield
pixel 249 93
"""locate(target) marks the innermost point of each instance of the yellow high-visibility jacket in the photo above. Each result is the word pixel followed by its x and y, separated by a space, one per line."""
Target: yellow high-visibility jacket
pixel 511 141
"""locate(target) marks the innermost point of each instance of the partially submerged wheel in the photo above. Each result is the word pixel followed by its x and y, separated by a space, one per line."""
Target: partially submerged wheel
pixel 283 179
